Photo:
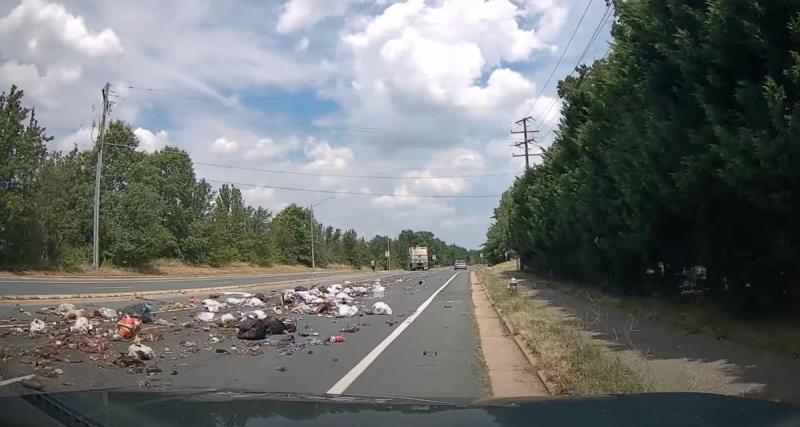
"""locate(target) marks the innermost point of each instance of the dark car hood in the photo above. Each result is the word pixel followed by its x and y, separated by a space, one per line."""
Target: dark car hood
pixel 145 408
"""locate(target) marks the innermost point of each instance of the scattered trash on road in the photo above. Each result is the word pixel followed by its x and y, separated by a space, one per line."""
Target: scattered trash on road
pixel 141 352
pixel 38 326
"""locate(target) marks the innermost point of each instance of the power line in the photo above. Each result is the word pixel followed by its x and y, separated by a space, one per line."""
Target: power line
pixel 285 172
pixel 355 193
pixel 606 15
pixel 563 52
pixel 321 174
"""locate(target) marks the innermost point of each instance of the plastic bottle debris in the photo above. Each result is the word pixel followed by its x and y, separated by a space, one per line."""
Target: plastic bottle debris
pixel 381 308
pixel 212 306
pixel 430 353
pixel 38 326
pixel 81 325
pixel 128 327
pixel 288 351
pixel 141 352
pixel 336 338
pixel 162 322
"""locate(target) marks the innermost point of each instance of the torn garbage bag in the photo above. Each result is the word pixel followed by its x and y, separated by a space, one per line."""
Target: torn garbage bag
pixel 205 317
pixel 142 311
pixel 252 329
pixel 344 310
pixel 141 352
pixel 212 306
pixel 38 326
pixel 381 308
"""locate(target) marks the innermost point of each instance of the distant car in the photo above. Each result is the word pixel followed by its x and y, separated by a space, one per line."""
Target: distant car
pixel 460 265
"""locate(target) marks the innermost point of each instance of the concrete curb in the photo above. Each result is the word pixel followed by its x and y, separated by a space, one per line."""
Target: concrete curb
pixel 523 347
pixel 17 298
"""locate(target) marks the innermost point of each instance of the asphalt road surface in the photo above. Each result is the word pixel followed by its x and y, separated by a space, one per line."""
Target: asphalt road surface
pixel 74 286
pixel 426 349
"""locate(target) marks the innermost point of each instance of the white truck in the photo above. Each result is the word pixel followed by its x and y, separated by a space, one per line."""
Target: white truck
pixel 418 258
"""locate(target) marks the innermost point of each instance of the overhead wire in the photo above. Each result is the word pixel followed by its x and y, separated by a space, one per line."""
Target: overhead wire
pixel 560 58
pixel 357 193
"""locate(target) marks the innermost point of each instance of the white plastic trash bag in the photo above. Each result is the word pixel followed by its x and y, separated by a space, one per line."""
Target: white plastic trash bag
pixel 227 319
pixel 253 302
pixel 141 352
pixel 205 317
pixel 344 310
pixel 378 291
pixel 108 313
pixel 38 326
pixel 81 325
pixel 65 307
pixel 257 314
pixel 381 308
pixel 212 306
pixel 234 302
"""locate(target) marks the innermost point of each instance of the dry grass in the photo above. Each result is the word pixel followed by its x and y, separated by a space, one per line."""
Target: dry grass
pixel 169 267
pixel 574 361
pixel 780 337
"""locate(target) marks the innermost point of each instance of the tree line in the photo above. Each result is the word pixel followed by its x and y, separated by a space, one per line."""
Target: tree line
pixel 154 206
pixel 675 168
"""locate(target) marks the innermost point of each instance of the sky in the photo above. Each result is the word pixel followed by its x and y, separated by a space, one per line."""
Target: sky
pixel 388 101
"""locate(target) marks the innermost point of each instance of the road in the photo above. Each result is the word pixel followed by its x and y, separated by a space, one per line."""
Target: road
pixel 75 286
pixel 426 349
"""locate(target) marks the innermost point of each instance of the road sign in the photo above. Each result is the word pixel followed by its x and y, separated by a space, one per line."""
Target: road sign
pixel 434 257
pixel 386 254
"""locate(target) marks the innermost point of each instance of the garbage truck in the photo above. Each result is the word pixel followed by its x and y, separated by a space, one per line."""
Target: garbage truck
pixel 418 258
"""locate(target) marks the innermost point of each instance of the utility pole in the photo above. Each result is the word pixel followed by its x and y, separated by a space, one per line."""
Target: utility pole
pixel 528 138
pixel 313 264
pixel 98 173
pixel 388 253
pixel 311 209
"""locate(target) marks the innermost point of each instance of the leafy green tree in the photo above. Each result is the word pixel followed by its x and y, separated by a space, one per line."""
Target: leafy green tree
pixel 22 153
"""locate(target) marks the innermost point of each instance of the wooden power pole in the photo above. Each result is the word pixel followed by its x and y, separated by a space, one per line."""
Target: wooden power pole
pixel 98 173
pixel 527 139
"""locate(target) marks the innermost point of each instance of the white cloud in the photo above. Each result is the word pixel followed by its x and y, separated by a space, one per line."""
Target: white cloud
pixel 259 196
pixel 83 138
pixel 301 45
pixel 44 21
pixel 224 145
pixel 149 141
pixel 300 14
pixel 269 149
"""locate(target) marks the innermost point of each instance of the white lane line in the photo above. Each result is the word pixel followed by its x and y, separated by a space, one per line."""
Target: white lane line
pixel 16 380
pixel 112 287
pixel 357 370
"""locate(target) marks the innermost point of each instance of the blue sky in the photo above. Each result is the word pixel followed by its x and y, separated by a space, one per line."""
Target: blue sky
pixel 424 91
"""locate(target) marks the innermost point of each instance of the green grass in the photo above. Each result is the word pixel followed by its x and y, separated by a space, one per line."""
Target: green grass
pixel 575 363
